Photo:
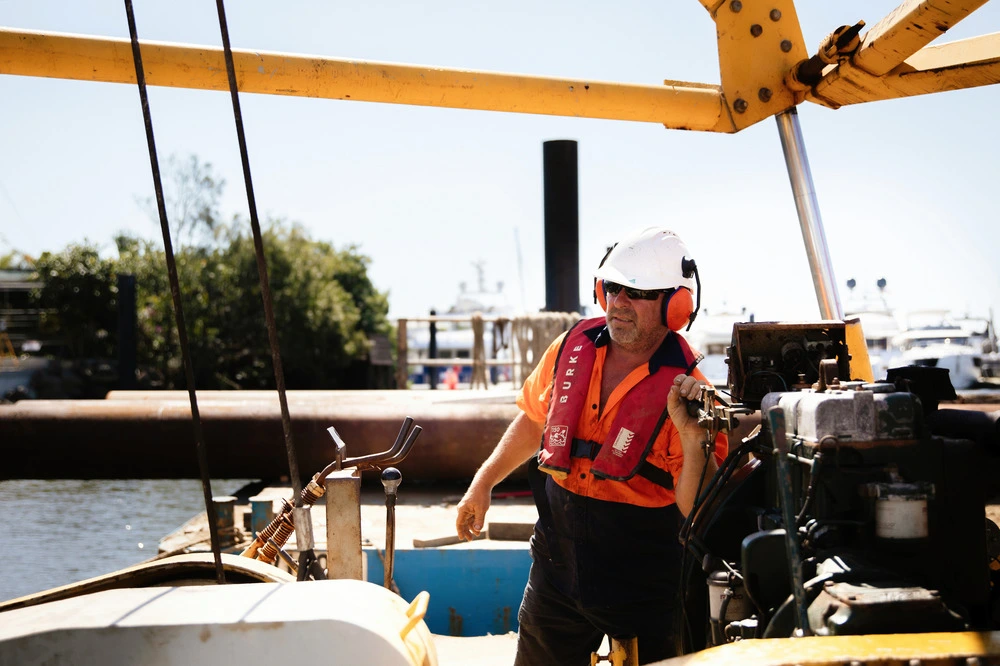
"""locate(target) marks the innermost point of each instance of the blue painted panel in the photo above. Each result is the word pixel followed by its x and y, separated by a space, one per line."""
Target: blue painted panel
pixel 474 592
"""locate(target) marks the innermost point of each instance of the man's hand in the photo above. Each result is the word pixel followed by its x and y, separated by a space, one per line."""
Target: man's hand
pixel 692 441
pixel 516 446
pixel 685 388
pixel 472 512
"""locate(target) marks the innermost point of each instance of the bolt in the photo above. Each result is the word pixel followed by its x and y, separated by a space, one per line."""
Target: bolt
pixel 736 6
pixel 756 30
pixel 786 45
pixel 764 95
pixel 740 105
pixel 775 14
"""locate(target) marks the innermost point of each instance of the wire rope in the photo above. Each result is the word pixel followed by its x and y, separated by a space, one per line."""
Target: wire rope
pixel 175 293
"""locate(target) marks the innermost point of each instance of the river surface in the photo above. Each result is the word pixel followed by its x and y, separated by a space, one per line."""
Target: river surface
pixel 60 532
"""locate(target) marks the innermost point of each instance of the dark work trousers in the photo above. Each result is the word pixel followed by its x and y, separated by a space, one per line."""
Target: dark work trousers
pixel 599 568
pixel 554 630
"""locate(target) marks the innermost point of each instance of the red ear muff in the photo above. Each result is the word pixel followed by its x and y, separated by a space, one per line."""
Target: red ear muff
pixel 677 308
pixel 601 296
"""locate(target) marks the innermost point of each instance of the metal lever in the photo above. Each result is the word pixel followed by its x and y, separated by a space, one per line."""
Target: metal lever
pixel 387 455
pixel 391 478
pixel 399 449
pixel 713 413
pixel 407 445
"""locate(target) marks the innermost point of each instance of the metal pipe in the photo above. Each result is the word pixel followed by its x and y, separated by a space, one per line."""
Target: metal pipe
pixel 391 478
pixel 80 439
pixel 562 226
pixel 126 331
pixel 431 370
pixel 402 353
pixel 776 419
pixel 810 221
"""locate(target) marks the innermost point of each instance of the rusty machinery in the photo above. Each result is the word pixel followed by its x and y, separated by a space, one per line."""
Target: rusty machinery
pixel 268 543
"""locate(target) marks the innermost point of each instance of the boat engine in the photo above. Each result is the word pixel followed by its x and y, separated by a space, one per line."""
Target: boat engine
pixel 846 511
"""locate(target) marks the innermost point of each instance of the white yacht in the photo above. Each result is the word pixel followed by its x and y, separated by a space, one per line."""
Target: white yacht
pixel 962 345
pixel 456 339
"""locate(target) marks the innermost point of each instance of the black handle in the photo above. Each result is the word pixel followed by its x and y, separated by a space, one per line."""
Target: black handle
pixel 693 408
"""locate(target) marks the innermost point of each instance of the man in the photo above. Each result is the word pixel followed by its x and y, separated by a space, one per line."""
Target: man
pixel 621 457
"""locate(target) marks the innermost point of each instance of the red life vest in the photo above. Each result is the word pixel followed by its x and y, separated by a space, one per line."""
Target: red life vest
pixel 638 422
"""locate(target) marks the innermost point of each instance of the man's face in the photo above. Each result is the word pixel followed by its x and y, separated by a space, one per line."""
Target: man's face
pixel 635 324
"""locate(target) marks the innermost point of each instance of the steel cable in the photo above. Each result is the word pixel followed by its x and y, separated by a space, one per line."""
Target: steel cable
pixel 265 286
pixel 175 293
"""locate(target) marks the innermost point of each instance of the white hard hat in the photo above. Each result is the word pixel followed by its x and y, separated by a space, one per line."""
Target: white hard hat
pixel 654 258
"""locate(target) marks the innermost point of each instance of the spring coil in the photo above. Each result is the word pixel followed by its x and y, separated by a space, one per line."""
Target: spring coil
pixel 272 527
pixel 312 493
pixel 309 496
pixel 269 551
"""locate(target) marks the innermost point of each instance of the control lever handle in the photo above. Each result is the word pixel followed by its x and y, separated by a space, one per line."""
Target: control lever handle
pixel 407 435
pixel 391 478
pixel 693 407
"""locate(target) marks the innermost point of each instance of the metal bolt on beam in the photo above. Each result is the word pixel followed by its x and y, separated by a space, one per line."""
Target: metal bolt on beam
pixel 764 95
pixel 756 30
pixel 786 45
pixel 740 105
pixel 736 6
pixel 775 14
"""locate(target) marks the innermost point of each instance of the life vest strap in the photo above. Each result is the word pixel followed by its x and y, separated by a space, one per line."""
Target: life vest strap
pixel 585 448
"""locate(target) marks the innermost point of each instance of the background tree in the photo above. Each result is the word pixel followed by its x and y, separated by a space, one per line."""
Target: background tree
pixel 325 305
pixel 191 198
pixel 13 260
pixel 79 298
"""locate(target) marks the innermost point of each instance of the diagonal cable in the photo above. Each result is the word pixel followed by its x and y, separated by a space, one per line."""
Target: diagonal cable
pixel 175 293
pixel 258 243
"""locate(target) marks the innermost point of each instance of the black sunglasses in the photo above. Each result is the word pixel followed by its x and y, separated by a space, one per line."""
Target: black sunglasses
pixel 613 288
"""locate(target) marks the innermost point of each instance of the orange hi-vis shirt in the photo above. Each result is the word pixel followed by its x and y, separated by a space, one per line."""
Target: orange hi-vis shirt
pixel 666 453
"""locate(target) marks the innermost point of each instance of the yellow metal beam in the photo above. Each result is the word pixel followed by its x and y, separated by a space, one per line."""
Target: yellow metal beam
pixel 906 30
pixel 759 41
pixel 874 650
pixel 677 105
pixel 963 64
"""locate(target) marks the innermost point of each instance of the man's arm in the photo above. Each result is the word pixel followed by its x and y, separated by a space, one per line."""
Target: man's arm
pixel 692 442
pixel 518 444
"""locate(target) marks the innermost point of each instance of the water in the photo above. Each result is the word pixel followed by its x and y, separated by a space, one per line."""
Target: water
pixel 61 532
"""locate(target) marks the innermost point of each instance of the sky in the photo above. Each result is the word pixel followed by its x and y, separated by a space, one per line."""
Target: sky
pixel 906 188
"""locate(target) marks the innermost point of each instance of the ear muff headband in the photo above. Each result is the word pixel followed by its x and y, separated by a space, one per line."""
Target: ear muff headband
pixel 600 298
pixel 678 306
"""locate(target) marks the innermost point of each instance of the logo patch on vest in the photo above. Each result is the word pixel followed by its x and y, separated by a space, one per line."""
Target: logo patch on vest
pixel 622 442
pixel 557 435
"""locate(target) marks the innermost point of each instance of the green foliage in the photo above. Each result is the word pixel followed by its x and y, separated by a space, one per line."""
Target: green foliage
pixel 80 295
pixel 325 308
pixel 14 260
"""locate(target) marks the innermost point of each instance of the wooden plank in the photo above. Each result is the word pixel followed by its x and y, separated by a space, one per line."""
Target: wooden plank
pixel 510 531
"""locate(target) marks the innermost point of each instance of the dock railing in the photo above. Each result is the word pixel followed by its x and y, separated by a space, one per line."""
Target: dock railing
pixel 522 339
